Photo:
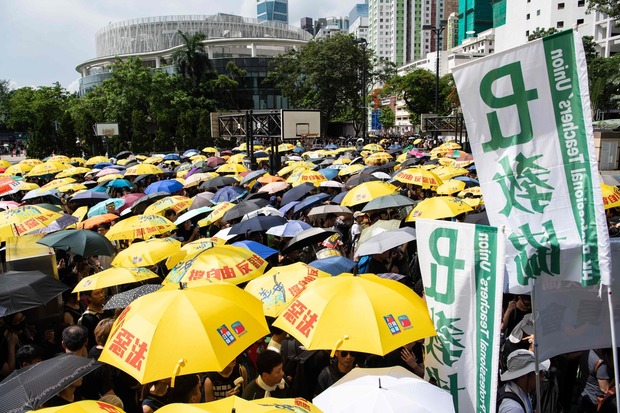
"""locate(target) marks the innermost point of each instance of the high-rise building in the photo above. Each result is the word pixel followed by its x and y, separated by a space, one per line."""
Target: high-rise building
pixel 307 24
pixel 272 10
pixel 452 31
pixel 358 11
pixel 475 16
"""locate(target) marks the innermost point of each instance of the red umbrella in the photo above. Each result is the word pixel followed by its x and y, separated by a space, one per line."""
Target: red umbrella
pixel 215 161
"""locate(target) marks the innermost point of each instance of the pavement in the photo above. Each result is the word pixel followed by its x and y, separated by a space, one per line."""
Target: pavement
pixel 13 159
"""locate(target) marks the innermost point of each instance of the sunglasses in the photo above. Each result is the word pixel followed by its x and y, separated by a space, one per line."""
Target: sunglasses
pixel 346 353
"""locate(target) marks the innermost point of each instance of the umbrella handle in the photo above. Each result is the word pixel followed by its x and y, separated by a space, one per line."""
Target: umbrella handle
pixel 338 344
pixel 175 373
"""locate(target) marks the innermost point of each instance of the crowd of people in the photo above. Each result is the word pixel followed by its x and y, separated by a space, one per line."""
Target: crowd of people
pixel 277 365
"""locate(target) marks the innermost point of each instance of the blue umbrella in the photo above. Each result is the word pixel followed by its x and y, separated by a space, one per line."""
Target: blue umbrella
pixel 338 198
pixel 296 193
pixel 228 194
pixel 102 207
pixel 172 157
pixel 61 223
pixel 119 183
pixel 102 165
pixel 469 182
pixel 288 207
pixel 290 229
pixel 328 173
pixel 334 265
pixel 167 185
pixel 299 149
pixel 310 202
pixel 331 146
pixel 191 152
pixel 261 250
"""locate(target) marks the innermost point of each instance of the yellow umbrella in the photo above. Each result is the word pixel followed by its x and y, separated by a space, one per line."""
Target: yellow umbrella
pixel 312 177
pixel 149 252
pixel 209 149
pixel 140 226
pixel 18 169
pixel 280 285
pixel 197 158
pixel 153 160
pixel 218 212
pixel 611 196
pixel 108 178
pixel 56 183
pixel 141 158
pixel 95 160
pixel 4 163
pixel 189 250
pixel 342 161
pixel 231 168
pixel 438 207
pixel 112 277
pixel 47 168
pixel 143 169
pixel 23 219
pixel 450 187
pixel 378 158
pixel 198 178
pixel 451 145
pixel 473 202
pixel 285 147
pixel 446 162
pixel 227 263
pixel 474 190
pixel 59 158
pixel 232 404
pixel 366 192
pixel 418 140
pixel 78 160
pixel 72 172
pixel 401 158
pixel 31 161
pixel 73 187
pixel 418 176
pixel 27 186
pixel 449 172
pixel 177 331
pixel 315 154
pixel 373 147
pixel 298 405
pixel 176 203
pixel 238 158
pixel 362 313
pixel 351 169
pixel 83 406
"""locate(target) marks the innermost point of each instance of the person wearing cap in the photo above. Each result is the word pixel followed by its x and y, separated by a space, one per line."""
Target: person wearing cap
pixel 521 337
pixel 356 229
pixel 520 378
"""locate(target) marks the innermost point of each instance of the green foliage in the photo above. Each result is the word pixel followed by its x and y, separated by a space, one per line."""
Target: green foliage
pixel 604 77
pixel 540 32
pixel 192 60
pixel 609 7
pixel 589 47
pixel 387 117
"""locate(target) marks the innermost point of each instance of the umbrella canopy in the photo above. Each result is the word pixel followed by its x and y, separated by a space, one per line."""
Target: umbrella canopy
pixel 8 185
pixel 366 192
pixel 383 390
pixel 102 207
pixel 140 205
pixel 89 198
pixel 469 182
pixel 25 218
pixel 169 186
pixel 63 222
pixel 418 176
pixel 611 196
pixel 307 237
pixel 22 290
pixel 357 313
pixel 143 169
pixel 140 226
pixel 218 212
pixel 245 207
pixel 96 220
pixel 386 241
pixel 290 229
pixel 191 249
pixel 203 199
pixel 378 158
pixel 259 223
pixel 295 194
pixel 124 299
pixel 219 321
pixel 388 201
pixel 83 406
pixel 233 265
pixel 450 187
pixel 193 214
pixel 218 182
pixel 79 241
pixel 474 190
pixel 176 203
pixel 280 285
pixel 328 173
pixel 310 201
pixel 228 194
pixel 29 388
pixel 263 251
pixel 252 176
pixel 274 187
pixel 149 252
pixel 231 168
pixel 307 176
pixel 112 277
pixel 438 207
pixel 322 210
pixel 334 265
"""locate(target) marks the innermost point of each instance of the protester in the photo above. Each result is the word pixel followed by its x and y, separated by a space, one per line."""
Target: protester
pixel 343 362
pixel 270 381
pixel 520 378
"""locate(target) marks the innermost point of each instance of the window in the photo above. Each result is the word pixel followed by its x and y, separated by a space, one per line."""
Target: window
pixel 559 25
pixel 527 33
pixel 560 6
pixel 527 16
pixel 579 21
pixel 538 12
pixel 581 3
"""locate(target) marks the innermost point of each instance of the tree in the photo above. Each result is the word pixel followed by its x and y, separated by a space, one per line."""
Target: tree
pixel 609 7
pixel 387 117
pixel 604 77
pixel 192 60
pixel 417 89
pixel 540 32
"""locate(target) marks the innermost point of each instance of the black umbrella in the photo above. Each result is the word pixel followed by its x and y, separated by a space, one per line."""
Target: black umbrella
pixel 79 241
pixel 355 180
pixel 244 207
pixel 307 237
pixel 310 202
pixel 338 198
pixel 89 198
pixel 218 182
pixel 141 204
pixel 21 290
pixel 296 193
pixel 257 224
pixel 28 388
pixel 123 154
pixel 480 218
pixel 122 300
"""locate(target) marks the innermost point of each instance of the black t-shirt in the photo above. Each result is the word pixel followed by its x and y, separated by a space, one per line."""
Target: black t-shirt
pixel 221 384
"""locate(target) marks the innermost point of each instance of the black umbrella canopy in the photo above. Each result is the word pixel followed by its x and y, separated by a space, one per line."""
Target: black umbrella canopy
pixel 296 193
pixel 258 223
pixel 310 201
pixel 307 237
pixel 143 203
pixel 355 180
pixel 89 198
pixel 22 290
pixel 27 389
pixel 244 207
pixel 218 182
pixel 122 300
pixel 123 154
pixel 79 241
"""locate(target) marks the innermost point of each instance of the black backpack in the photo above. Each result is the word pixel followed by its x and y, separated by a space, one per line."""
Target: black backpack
pixel 503 394
pixel 303 367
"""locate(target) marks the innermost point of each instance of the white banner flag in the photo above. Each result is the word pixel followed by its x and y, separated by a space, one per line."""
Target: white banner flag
pixel 528 119
pixel 572 317
pixel 462 269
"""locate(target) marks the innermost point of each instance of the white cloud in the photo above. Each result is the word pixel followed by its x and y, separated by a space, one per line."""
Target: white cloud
pixel 74 86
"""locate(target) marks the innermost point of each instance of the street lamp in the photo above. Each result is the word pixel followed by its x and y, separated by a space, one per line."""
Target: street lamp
pixel 438 30
pixel 363 44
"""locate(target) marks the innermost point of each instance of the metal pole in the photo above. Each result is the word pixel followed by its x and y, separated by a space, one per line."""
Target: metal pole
pixel 614 348
pixel 365 131
pixel 437 31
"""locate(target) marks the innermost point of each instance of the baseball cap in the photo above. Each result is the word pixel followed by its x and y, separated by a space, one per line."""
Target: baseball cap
pixel 358 214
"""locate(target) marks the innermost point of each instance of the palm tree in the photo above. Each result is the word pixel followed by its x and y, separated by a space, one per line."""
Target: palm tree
pixel 192 60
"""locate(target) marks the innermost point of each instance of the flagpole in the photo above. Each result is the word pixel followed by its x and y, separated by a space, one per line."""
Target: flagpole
pixel 614 349
pixel 537 365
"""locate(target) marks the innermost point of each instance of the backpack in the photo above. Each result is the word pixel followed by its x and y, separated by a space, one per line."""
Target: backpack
pixel 362 265
pixel 503 394
pixel 303 367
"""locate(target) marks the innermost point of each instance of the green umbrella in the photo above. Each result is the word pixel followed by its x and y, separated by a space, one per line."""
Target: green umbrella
pixel 389 201
pixel 79 241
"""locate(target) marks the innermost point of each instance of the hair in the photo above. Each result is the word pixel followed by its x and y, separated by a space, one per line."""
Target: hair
pixel 27 354
pixel 102 331
pixel 183 388
pixel 267 361
pixel 169 213
pixel 331 215
pixel 104 225
pixel 273 329
pixel 112 399
pixel 74 337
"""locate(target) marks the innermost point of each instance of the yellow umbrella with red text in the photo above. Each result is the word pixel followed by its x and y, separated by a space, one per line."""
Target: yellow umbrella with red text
pixel 23 219
pixel 218 212
pixel 419 176
pixel 366 192
pixel 112 277
pixel 438 207
pixel 140 226
pixel 176 203
pixel 83 406
pixel 149 252
pixel 611 196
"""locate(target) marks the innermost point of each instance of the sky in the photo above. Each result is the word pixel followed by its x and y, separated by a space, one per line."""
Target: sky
pixel 42 41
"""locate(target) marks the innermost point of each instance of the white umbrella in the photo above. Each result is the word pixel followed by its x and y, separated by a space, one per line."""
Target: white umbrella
pixel 264 211
pixel 332 184
pixel 384 390
pixel 386 240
